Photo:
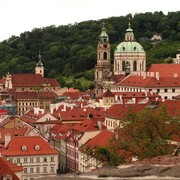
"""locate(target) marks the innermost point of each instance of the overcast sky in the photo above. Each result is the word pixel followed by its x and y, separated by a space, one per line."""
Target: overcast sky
pixel 18 16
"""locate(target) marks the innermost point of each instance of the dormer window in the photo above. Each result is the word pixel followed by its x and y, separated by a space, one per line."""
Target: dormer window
pixel 24 148
pixel 37 147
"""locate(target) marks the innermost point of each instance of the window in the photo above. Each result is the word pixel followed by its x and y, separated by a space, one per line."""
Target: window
pixel 45 159
pixel 25 170
pixel 52 159
pixel 165 90
pixel 31 160
pixel 52 169
pixel 37 169
pixel 134 66
pixel 25 160
pixel 37 159
pixel 158 90
pixel 105 55
pixel 44 169
pixel 31 170
pixel 173 90
pixel 18 160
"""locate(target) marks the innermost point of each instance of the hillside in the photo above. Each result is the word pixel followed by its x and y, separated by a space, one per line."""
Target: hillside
pixel 69 52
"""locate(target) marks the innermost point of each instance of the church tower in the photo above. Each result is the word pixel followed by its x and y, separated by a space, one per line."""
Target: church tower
pixel 39 66
pixel 103 66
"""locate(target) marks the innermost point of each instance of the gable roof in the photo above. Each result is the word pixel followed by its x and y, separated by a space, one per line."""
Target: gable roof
pixel 15 147
pixel 108 93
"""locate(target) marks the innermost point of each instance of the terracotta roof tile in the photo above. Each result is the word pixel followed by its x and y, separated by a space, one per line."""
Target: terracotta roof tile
pixel 139 81
pixel 102 139
pixel 28 80
pixel 120 110
pixel 15 147
pixel 162 69
pixel 7 170
pixel 108 93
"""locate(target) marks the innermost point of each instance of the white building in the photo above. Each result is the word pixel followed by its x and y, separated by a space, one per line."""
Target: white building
pixel 34 154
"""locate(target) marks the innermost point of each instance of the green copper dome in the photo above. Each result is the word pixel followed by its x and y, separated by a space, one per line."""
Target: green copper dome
pixel 130 46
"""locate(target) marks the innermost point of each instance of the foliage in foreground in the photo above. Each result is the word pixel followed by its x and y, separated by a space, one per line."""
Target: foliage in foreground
pixel 145 134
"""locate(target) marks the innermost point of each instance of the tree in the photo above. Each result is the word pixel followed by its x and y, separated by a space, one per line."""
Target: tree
pixel 105 156
pixel 147 133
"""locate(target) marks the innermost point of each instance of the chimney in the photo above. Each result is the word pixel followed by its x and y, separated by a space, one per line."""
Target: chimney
pixel 144 75
pixel 157 76
pixel 7 139
pixel 175 75
pixel 152 74
pixel 99 123
pixel 51 108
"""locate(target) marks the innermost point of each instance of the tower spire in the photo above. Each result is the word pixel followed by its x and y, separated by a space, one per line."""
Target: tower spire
pixel 39 66
pixel 129 24
pixel 103 37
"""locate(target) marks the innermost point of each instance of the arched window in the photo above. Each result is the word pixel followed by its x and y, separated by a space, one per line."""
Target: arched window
pixel 123 66
pixel 105 55
pixel 97 75
pixel 134 66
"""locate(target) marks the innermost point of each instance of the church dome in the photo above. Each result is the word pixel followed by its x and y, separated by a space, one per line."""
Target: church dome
pixel 130 46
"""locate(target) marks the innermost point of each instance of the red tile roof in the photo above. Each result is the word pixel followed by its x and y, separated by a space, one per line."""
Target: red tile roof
pixel 73 95
pixel 148 82
pixel 108 93
pixel 12 131
pixel 15 147
pixel 82 113
pixel 88 125
pixel 3 80
pixel 7 169
pixel 32 80
pixel 120 110
pixel 165 70
pixel 34 95
pixel 102 139
pixel 173 107
pixel 53 82
pixel 27 80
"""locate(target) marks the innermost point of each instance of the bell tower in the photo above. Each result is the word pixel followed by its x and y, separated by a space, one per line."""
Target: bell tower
pixel 103 66
pixel 39 66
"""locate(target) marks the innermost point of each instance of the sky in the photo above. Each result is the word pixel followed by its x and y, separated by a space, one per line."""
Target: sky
pixel 18 16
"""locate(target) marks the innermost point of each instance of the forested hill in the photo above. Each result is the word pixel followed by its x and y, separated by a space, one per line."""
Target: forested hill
pixel 70 49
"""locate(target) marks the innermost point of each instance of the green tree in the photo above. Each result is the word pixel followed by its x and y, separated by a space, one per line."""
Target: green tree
pixel 147 133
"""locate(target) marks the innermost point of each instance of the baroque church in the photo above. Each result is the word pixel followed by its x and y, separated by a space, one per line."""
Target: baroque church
pixel 129 72
pixel 129 57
